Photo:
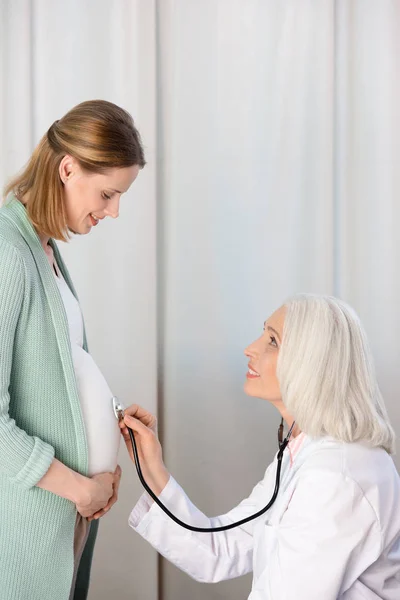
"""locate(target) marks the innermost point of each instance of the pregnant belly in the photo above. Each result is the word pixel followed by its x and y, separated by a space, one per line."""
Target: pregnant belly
pixel 102 431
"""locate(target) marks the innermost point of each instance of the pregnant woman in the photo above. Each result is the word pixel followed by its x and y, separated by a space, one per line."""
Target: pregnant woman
pixel 56 471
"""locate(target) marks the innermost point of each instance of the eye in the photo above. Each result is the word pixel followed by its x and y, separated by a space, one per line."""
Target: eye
pixel 106 196
pixel 273 341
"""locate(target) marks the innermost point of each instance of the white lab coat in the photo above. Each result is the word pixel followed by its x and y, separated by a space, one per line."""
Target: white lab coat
pixel 333 532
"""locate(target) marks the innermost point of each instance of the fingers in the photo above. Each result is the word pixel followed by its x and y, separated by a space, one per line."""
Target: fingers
pixel 136 426
pixel 114 497
pixel 110 504
pixel 133 423
pixel 105 480
pixel 103 511
pixel 117 479
pixel 138 412
pixel 97 515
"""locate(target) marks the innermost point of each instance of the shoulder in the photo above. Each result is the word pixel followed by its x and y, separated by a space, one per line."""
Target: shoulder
pixel 12 278
pixel 322 483
pixel 10 254
pixel 353 460
pixel 335 469
pixel 10 235
pixel 12 260
pixel 15 235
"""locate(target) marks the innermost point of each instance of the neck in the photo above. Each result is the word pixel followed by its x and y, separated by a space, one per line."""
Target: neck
pixel 44 240
pixel 289 421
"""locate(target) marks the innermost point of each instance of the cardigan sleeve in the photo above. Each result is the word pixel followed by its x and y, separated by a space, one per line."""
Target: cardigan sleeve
pixel 23 458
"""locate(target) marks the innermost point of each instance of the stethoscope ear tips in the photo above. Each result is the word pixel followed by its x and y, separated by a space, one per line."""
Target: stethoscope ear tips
pixel 118 408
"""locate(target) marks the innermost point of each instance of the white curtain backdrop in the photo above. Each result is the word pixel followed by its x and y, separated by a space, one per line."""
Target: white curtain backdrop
pixel 271 130
pixel 54 55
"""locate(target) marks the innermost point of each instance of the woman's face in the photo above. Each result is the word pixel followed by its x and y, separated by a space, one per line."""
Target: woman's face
pixel 261 378
pixel 89 197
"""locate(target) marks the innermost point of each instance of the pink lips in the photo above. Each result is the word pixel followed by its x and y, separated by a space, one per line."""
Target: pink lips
pixel 251 373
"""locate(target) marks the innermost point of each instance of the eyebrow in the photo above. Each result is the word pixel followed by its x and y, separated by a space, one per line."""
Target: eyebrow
pixel 117 191
pixel 272 329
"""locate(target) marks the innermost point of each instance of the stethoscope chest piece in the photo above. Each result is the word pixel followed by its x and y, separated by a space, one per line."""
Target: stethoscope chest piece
pixel 118 408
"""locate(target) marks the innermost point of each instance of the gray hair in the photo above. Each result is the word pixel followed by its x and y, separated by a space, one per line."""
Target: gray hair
pixel 327 376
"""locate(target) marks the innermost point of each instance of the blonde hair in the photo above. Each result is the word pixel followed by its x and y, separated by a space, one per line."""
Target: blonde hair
pixel 99 135
pixel 327 376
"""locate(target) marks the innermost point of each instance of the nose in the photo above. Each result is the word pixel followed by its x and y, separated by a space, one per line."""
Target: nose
pixel 112 209
pixel 250 351
pixel 254 349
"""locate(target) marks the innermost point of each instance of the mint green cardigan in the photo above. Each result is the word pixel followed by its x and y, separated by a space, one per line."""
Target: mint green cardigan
pixel 40 417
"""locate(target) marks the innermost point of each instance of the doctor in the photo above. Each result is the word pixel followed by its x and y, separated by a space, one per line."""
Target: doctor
pixel 334 530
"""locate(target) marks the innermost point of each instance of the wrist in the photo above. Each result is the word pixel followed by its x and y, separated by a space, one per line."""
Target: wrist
pixel 64 482
pixel 160 480
pixel 81 490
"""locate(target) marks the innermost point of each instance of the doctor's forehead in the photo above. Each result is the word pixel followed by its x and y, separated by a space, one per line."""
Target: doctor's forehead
pixel 276 321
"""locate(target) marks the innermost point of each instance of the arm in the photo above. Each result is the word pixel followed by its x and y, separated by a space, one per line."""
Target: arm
pixel 23 458
pixel 327 537
pixel 27 460
pixel 89 494
pixel 204 556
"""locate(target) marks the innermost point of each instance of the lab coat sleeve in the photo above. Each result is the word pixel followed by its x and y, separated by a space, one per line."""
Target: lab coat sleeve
pixel 326 538
pixel 206 557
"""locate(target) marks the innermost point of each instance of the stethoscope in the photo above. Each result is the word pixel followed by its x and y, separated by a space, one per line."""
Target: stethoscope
pixel 119 414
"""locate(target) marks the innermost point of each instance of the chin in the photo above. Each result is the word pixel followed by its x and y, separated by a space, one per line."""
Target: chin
pixel 80 230
pixel 250 389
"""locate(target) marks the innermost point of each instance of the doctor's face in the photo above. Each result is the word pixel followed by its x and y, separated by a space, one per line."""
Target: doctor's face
pixel 261 378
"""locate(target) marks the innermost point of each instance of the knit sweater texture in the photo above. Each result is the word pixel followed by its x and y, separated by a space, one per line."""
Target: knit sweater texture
pixel 40 416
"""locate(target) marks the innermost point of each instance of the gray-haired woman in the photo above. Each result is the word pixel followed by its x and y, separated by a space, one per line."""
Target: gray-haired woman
pixel 334 530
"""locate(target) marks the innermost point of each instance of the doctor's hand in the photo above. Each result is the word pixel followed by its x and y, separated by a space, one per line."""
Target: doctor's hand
pixel 144 427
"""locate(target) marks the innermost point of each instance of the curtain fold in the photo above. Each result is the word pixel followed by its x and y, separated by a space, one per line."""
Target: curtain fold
pixel 271 135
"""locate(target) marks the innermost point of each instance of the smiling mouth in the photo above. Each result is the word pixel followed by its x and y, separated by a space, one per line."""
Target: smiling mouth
pixel 94 220
pixel 252 374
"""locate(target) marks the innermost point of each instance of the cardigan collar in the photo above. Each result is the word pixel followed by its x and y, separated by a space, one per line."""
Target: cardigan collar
pixel 17 213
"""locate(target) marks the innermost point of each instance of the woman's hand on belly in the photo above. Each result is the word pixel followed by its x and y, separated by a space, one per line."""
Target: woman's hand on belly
pixel 98 491
pixel 114 497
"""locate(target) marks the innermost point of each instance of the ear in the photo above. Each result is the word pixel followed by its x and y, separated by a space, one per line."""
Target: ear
pixel 67 168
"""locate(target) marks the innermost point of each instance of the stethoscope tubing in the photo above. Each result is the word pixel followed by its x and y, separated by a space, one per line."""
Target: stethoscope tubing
pixel 223 527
